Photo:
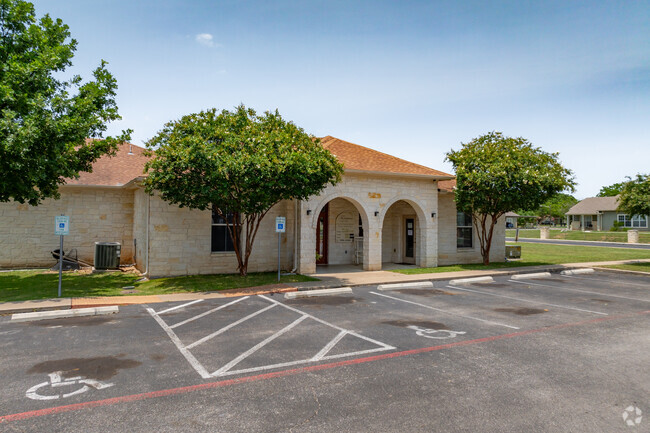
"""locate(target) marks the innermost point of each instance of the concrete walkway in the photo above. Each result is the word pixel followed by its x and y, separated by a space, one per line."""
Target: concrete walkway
pixel 329 278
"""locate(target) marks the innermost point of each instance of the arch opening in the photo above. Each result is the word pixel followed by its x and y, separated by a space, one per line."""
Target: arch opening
pixel 402 234
pixel 339 230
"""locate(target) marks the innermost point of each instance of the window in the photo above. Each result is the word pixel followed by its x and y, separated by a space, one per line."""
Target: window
pixel 221 239
pixel 360 227
pixel 637 221
pixel 463 230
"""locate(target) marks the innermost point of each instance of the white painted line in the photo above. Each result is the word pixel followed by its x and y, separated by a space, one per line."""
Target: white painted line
pixel 321 292
pixel 444 311
pixel 528 300
pixel 225 328
pixel 179 345
pixel 329 346
pixel 179 306
pixel 385 346
pixel 62 314
pixel 601 280
pixel 577 271
pixel 208 312
pixel 422 284
pixel 257 347
pixel 526 276
pixel 583 291
pixel 472 280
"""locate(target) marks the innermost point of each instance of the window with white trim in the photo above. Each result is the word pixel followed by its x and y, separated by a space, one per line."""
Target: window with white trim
pixel 463 230
pixel 637 221
pixel 221 239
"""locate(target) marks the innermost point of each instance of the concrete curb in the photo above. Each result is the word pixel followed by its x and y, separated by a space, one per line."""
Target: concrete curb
pixel 533 275
pixel 409 285
pixel 625 271
pixel 60 314
pixel 577 271
pixel 486 279
pixel 322 292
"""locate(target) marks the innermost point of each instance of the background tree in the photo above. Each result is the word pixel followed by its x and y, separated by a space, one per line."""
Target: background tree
pixel 242 164
pixel 497 174
pixel 635 196
pixel 611 190
pixel 555 207
pixel 44 120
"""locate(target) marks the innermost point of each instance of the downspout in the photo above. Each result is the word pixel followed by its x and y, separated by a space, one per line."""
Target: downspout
pixel 145 274
pixel 296 208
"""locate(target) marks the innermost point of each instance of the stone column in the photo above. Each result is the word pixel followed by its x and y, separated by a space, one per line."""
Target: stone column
pixel 545 233
pixel 372 245
pixel 306 244
pixel 632 236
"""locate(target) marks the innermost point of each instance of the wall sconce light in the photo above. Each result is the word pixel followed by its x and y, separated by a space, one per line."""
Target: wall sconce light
pixel 433 214
pixel 308 211
pixel 376 213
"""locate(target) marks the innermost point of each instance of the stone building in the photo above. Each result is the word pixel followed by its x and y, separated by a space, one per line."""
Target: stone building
pixel 385 210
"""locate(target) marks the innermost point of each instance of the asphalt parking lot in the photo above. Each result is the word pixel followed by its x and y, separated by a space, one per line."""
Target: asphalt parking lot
pixel 553 353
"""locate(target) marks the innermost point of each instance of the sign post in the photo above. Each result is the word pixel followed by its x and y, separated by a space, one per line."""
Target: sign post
pixel 280 227
pixel 61 228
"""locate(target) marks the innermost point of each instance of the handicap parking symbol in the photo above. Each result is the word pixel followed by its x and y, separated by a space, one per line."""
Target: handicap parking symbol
pixel 75 385
pixel 438 334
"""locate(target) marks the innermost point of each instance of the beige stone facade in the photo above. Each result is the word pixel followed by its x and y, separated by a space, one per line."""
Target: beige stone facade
pixel 96 215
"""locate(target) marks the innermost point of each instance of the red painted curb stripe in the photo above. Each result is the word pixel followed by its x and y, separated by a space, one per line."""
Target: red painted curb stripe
pixel 265 376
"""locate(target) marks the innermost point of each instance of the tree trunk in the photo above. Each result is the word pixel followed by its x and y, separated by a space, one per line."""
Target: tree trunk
pixel 485 236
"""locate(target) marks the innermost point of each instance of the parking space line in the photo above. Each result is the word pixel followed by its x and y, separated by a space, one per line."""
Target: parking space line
pixel 179 345
pixel 529 300
pixel 208 312
pixel 257 347
pixel 329 346
pixel 581 291
pixel 225 328
pixel 643 286
pixel 444 311
pixel 384 346
pixel 179 306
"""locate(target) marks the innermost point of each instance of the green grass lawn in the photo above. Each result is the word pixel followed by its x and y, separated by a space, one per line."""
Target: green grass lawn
pixel 577 235
pixel 542 254
pixel 642 267
pixel 30 285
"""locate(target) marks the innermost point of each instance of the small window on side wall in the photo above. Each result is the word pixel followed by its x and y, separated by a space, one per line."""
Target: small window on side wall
pixel 221 239
pixel 463 230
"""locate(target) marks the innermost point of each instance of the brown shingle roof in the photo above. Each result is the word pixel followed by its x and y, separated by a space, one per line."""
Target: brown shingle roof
pixel 355 157
pixel 593 205
pixel 447 185
pixel 126 165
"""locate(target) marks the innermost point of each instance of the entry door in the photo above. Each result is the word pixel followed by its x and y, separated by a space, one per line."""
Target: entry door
pixel 322 236
pixel 409 240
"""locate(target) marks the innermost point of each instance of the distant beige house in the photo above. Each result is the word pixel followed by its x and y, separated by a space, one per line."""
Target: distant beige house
pixel 385 210
pixel 600 213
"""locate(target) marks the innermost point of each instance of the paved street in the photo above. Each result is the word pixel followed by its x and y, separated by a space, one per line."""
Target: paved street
pixel 582 243
pixel 556 353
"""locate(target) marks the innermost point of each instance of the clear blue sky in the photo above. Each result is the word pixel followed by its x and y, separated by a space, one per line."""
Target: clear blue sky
pixel 413 78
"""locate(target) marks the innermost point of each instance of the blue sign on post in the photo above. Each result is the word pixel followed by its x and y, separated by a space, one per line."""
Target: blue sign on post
pixel 61 225
pixel 280 224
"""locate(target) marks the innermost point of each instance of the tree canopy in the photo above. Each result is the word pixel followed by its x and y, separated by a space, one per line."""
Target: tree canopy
pixel 556 206
pixel 239 162
pixel 45 120
pixel 635 196
pixel 611 190
pixel 496 174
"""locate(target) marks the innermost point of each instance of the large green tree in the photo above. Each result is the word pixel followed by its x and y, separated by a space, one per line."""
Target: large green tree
pixel 635 196
pixel 240 163
pixel 496 174
pixel 611 190
pixel 556 206
pixel 44 119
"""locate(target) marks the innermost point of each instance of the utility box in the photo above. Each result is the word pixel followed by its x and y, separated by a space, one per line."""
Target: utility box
pixel 107 255
pixel 513 251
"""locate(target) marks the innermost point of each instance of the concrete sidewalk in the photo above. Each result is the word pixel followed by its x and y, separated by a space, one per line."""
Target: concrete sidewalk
pixel 327 280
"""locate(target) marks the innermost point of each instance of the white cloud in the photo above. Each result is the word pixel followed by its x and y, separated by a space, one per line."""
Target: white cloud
pixel 205 39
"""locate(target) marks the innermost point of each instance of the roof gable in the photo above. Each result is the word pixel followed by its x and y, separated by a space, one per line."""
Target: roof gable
pixel 593 205
pixel 355 157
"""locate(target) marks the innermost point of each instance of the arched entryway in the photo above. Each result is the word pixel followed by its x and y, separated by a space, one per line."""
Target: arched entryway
pixel 339 233
pixel 402 234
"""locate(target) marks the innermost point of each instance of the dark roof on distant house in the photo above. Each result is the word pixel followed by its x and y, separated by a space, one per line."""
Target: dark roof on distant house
pixel 593 205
